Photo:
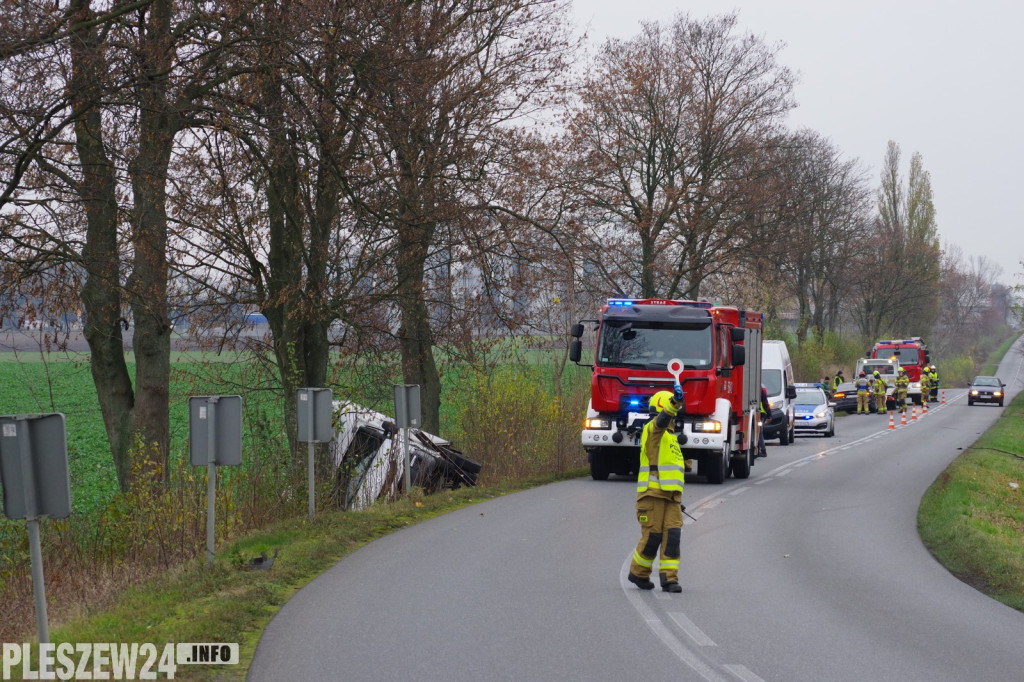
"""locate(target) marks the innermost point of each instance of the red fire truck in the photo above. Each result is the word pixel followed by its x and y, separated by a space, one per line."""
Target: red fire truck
pixel 912 354
pixel 720 351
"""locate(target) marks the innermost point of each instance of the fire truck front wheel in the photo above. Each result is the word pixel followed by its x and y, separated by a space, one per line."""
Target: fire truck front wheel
pixel 600 467
pixel 718 468
pixel 741 464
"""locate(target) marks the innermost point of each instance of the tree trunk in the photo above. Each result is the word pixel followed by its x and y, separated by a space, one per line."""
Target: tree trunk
pixel 101 291
pixel 415 335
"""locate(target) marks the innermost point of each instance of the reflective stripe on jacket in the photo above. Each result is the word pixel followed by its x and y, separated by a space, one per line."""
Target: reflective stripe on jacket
pixel 667 470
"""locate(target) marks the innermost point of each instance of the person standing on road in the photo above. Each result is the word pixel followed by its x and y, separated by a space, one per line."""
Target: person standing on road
pixel 933 374
pixel 840 379
pixel 902 382
pixel 766 410
pixel 863 394
pixel 926 385
pixel 659 496
pixel 880 388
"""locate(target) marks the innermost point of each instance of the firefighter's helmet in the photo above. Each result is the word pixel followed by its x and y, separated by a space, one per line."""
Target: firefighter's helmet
pixel 660 400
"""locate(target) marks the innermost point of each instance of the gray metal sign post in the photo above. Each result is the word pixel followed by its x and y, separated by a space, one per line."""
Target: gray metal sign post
pixel 407 414
pixel 34 477
pixel 313 408
pixel 215 438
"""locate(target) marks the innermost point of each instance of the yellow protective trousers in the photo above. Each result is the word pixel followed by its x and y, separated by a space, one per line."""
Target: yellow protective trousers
pixel 661 525
pixel 863 402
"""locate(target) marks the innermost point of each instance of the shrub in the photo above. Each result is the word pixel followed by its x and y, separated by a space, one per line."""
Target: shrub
pixel 956 371
pixel 514 423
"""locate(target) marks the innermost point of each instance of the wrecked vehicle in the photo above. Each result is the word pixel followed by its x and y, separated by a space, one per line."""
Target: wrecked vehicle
pixel 368 460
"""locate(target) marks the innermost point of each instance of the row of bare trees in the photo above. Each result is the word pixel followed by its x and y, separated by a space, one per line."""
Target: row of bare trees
pixel 402 175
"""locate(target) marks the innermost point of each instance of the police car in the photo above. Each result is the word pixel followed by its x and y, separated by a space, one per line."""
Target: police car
pixel 813 412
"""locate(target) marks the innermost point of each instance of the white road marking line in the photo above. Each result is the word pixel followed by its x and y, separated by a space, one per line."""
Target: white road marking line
pixel 664 633
pixel 739 490
pixel 691 630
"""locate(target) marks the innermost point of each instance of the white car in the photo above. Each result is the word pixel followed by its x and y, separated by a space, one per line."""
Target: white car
pixel 812 411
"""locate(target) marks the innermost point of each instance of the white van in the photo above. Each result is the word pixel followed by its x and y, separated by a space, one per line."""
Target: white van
pixel 777 378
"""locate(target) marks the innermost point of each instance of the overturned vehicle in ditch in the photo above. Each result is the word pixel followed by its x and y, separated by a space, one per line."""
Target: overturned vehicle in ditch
pixel 369 461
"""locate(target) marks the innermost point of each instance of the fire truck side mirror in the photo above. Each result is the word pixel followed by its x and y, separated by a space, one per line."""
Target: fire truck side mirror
pixel 738 355
pixel 576 331
pixel 575 349
pixel 736 334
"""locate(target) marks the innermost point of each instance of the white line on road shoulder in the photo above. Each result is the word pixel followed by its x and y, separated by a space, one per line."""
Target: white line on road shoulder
pixel 691 630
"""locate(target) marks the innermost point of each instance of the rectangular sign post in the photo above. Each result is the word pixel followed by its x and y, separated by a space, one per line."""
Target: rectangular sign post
pixel 407 414
pixel 215 438
pixel 313 408
pixel 34 477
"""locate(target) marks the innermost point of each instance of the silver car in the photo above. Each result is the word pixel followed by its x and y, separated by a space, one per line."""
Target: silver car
pixel 813 412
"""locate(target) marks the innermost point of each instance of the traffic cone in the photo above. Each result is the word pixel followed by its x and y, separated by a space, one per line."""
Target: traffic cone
pixel 943 397
pixel 892 424
pixel 913 412
pixel 924 410
pixel 903 419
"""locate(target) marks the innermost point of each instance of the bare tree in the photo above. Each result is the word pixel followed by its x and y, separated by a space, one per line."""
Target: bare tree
pixel 669 127
pixel 113 89
pixel 968 291
pixel 899 275
pixel 818 204
pixel 446 79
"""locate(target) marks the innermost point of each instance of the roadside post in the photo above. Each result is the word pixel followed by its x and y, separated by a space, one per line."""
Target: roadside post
pixel 215 439
pixel 407 415
pixel 313 411
pixel 35 482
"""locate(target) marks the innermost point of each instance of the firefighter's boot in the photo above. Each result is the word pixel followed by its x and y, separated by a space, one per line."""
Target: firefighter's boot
pixel 669 585
pixel 642 583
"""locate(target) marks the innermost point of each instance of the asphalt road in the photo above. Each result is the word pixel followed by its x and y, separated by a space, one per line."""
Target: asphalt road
pixel 811 569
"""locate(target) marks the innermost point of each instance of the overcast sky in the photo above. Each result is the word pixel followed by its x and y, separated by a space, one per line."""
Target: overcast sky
pixel 942 78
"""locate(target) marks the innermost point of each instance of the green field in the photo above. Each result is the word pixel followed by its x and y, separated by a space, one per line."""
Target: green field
pixel 30 386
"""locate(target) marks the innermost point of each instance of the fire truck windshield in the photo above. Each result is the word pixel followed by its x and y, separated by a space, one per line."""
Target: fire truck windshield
pixel 650 345
pixel 905 356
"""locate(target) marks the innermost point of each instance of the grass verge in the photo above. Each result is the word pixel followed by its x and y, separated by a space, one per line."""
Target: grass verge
pixel 230 604
pixel 972 517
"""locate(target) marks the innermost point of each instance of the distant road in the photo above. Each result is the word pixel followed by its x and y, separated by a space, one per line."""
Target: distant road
pixel 811 569
pixel 31 341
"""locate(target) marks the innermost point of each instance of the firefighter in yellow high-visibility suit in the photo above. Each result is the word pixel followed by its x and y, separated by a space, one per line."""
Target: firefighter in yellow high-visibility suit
pixel 880 388
pixel 902 382
pixel 659 496
pixel 863 394
pixel 926 385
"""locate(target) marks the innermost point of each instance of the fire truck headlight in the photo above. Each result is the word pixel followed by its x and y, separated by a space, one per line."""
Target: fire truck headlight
pixel 597 423
pixel 707 427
